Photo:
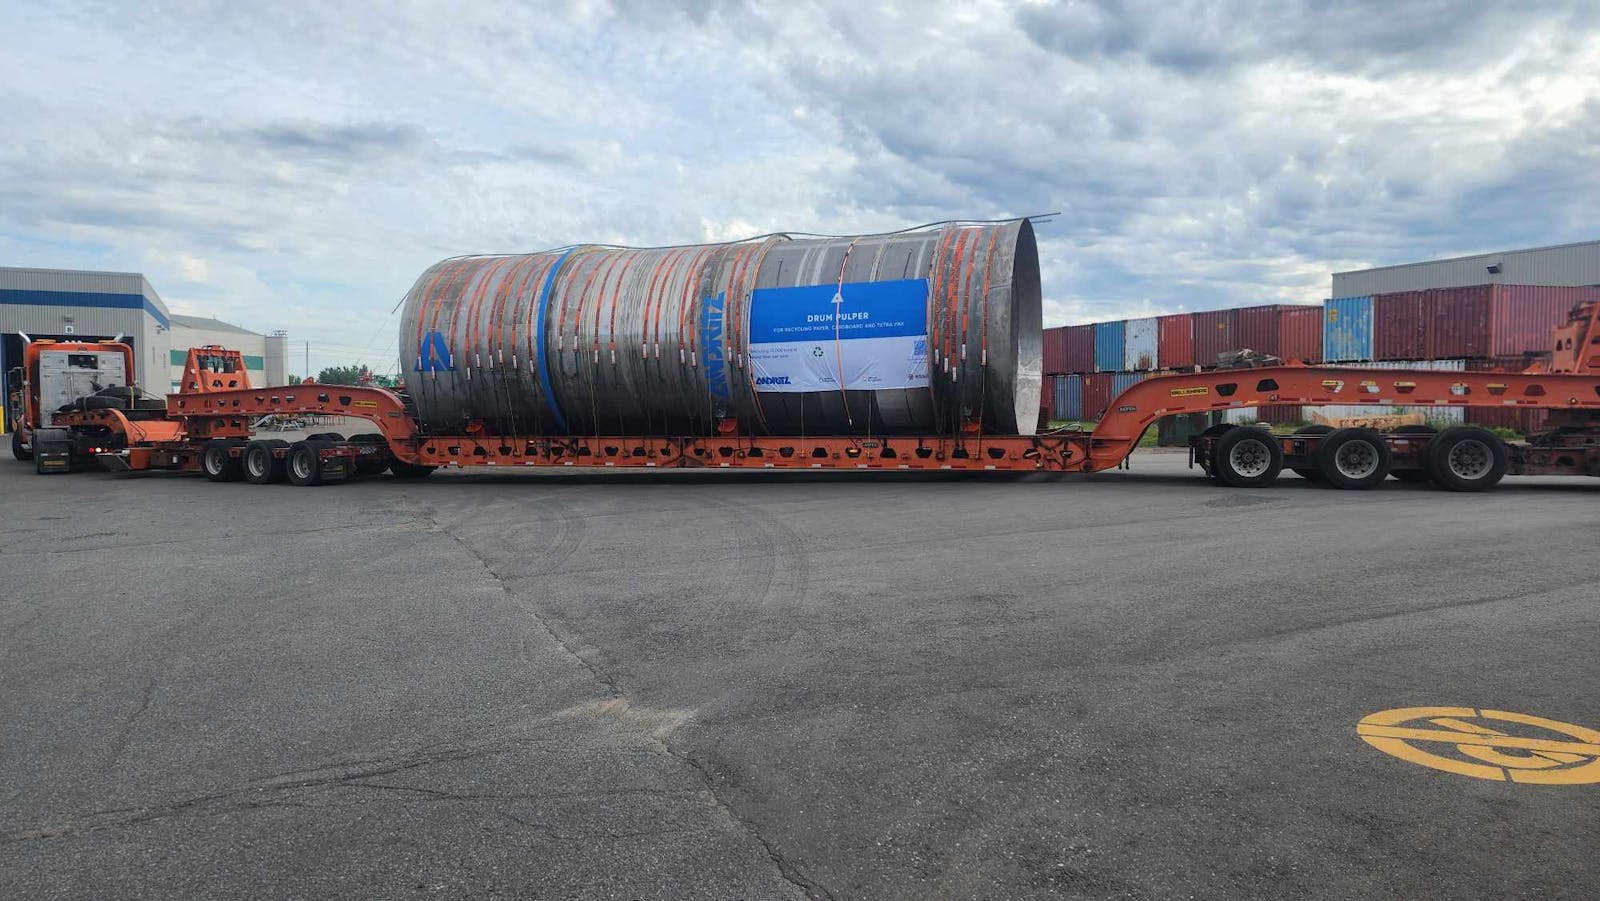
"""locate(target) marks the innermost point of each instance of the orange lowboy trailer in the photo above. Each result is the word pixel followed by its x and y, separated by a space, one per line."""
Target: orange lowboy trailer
pixel 207 428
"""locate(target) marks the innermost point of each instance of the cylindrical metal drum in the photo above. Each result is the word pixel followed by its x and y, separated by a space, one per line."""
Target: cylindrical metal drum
pixel 919 331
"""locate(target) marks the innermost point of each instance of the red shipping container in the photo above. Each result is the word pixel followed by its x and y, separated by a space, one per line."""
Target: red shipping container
pixel 1400 326
pixel 1300 333
pixel 1175 341
pixel 1096 395
pixel 1281 414
pixel 1497 320
pixel 1213 335
pixel 1055 351
pixel 1257 329
pixel 1080 349
pixel 1047 395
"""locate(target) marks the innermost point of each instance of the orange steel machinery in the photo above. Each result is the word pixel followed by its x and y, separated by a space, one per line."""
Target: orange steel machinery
pixel 206 428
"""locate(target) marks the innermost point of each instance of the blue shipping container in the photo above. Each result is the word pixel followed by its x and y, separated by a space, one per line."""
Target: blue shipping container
pixel 1069 397
pixel 1122 381
pixel 1108 346
pixel 1347 329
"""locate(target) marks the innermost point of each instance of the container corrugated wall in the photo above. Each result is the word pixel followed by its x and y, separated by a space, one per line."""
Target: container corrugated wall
pixel 1122 381
pixel 1524 316
pixel 1175 336
pixel 1213 335
pixel 1047 395
pixel 1300 333
pixel 1069 398
pixel 1108 345
pixel 1080 348
pixel 1399 326
pixel 1141 342
pixel 1055 350
pixel 1257 329
pixel 1347 329
pixel 1096 395
pixel 1449 415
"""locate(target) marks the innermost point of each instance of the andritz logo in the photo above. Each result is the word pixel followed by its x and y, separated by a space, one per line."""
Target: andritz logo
pixel 773 380
pixel 434 354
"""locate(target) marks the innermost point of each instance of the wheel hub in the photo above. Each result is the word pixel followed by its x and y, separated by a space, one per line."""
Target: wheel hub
pixel 1249 458
pixel 1470 460
pixel 1356 460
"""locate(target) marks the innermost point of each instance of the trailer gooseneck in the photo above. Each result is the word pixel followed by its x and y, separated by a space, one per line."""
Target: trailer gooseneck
pixel 206 428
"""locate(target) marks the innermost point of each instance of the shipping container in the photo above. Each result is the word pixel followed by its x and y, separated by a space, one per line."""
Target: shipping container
pixel 1096 396
pixel 1141 341
pixel 1257 329
pixel 1275 414
pixel 1080 348
pixel 1347 329
pixel 1122 381
pixel 1213 335
pixel 1431 413
pixel 1300 333
pixel 1400 326
pixel 1175 340
pixel 1069 398
pixel 1497 320
pixel 1108 345
pixel 1047 395
pixel 1055 350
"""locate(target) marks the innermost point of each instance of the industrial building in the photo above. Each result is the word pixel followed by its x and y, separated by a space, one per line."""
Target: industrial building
pixel 264 355
pixel 72 305
pixel 1564 265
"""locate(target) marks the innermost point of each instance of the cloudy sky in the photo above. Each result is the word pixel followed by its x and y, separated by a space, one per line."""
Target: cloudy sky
pixel 296 165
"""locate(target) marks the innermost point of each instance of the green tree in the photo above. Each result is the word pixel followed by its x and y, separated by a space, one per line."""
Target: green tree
pixel 339 375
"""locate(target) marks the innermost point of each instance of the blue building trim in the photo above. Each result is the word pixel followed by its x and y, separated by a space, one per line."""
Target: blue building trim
pixel 84 299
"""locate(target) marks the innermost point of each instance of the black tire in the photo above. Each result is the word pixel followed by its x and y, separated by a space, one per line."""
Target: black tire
pixel 331 437
pixel 304 462
pixel 1353 459
pixel 126 392
pixel 260 466
pixel 1311 474
pixel 1248 457
pixel 96 402
pixel 218 462
pixel 1466 458
pixel 403 470
pixel 150 404
pixel 23 454
pixel 376 463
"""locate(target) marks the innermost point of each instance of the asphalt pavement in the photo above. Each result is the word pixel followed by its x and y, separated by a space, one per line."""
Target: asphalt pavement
pixel 675 685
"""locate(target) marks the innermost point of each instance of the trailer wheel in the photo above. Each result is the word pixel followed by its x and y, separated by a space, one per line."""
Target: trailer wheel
pixel 1248 457
pixel 218 462
pixel 1414 476
pixel 332 437
pixel 403 470
pixel 1353 458
pixel 1310 473
pixel 376 463
pixel 19 451
pixel 1466 458
pixel 304 462
pixel 260 466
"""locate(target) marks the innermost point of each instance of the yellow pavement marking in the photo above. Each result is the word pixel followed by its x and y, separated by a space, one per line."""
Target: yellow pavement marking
pixel 1541 761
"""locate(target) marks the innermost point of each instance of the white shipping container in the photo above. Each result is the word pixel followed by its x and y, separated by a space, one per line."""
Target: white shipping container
pixel 1140 340
pixel 1450 415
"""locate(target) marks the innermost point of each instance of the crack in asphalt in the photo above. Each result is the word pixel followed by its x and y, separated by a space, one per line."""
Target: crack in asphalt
pixel 786 869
